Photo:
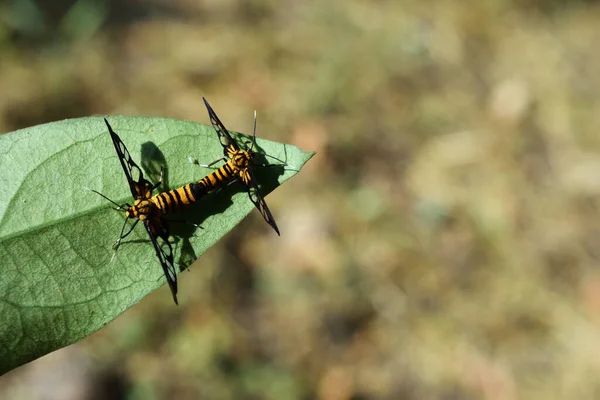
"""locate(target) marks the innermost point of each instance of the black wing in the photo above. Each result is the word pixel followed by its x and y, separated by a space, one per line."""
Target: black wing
pixel 258 200
pixel 160 238
pixel 140 187
pixel 224 137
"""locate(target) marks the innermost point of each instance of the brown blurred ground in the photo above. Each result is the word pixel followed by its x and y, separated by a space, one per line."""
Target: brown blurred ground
pixel 444 243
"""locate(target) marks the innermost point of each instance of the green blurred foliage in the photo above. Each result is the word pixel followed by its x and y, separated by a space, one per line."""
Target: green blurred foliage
pixel 443 242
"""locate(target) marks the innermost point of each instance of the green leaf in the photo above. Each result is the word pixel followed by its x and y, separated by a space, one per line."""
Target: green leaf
pixel 59 280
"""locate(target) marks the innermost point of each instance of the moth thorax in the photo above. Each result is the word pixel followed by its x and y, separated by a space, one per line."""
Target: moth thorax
pixel 242 159
pixel 141 209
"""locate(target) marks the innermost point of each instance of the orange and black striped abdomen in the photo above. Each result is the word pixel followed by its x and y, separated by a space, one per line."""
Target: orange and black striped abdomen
pixel 220 177
pixel 175 199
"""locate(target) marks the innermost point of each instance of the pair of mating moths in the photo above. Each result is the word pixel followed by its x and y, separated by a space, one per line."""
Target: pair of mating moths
pixel 152 210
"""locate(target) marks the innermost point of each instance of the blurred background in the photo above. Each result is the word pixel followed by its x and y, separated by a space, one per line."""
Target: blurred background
pixel 444 242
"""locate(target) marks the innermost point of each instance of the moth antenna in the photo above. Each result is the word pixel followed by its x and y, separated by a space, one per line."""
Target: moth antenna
pixel 119 206
pixel 253 132
pixel 278 159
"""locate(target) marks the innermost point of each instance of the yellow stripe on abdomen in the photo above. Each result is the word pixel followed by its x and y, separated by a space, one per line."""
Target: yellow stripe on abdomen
pixel 220 177
pixel 170 201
